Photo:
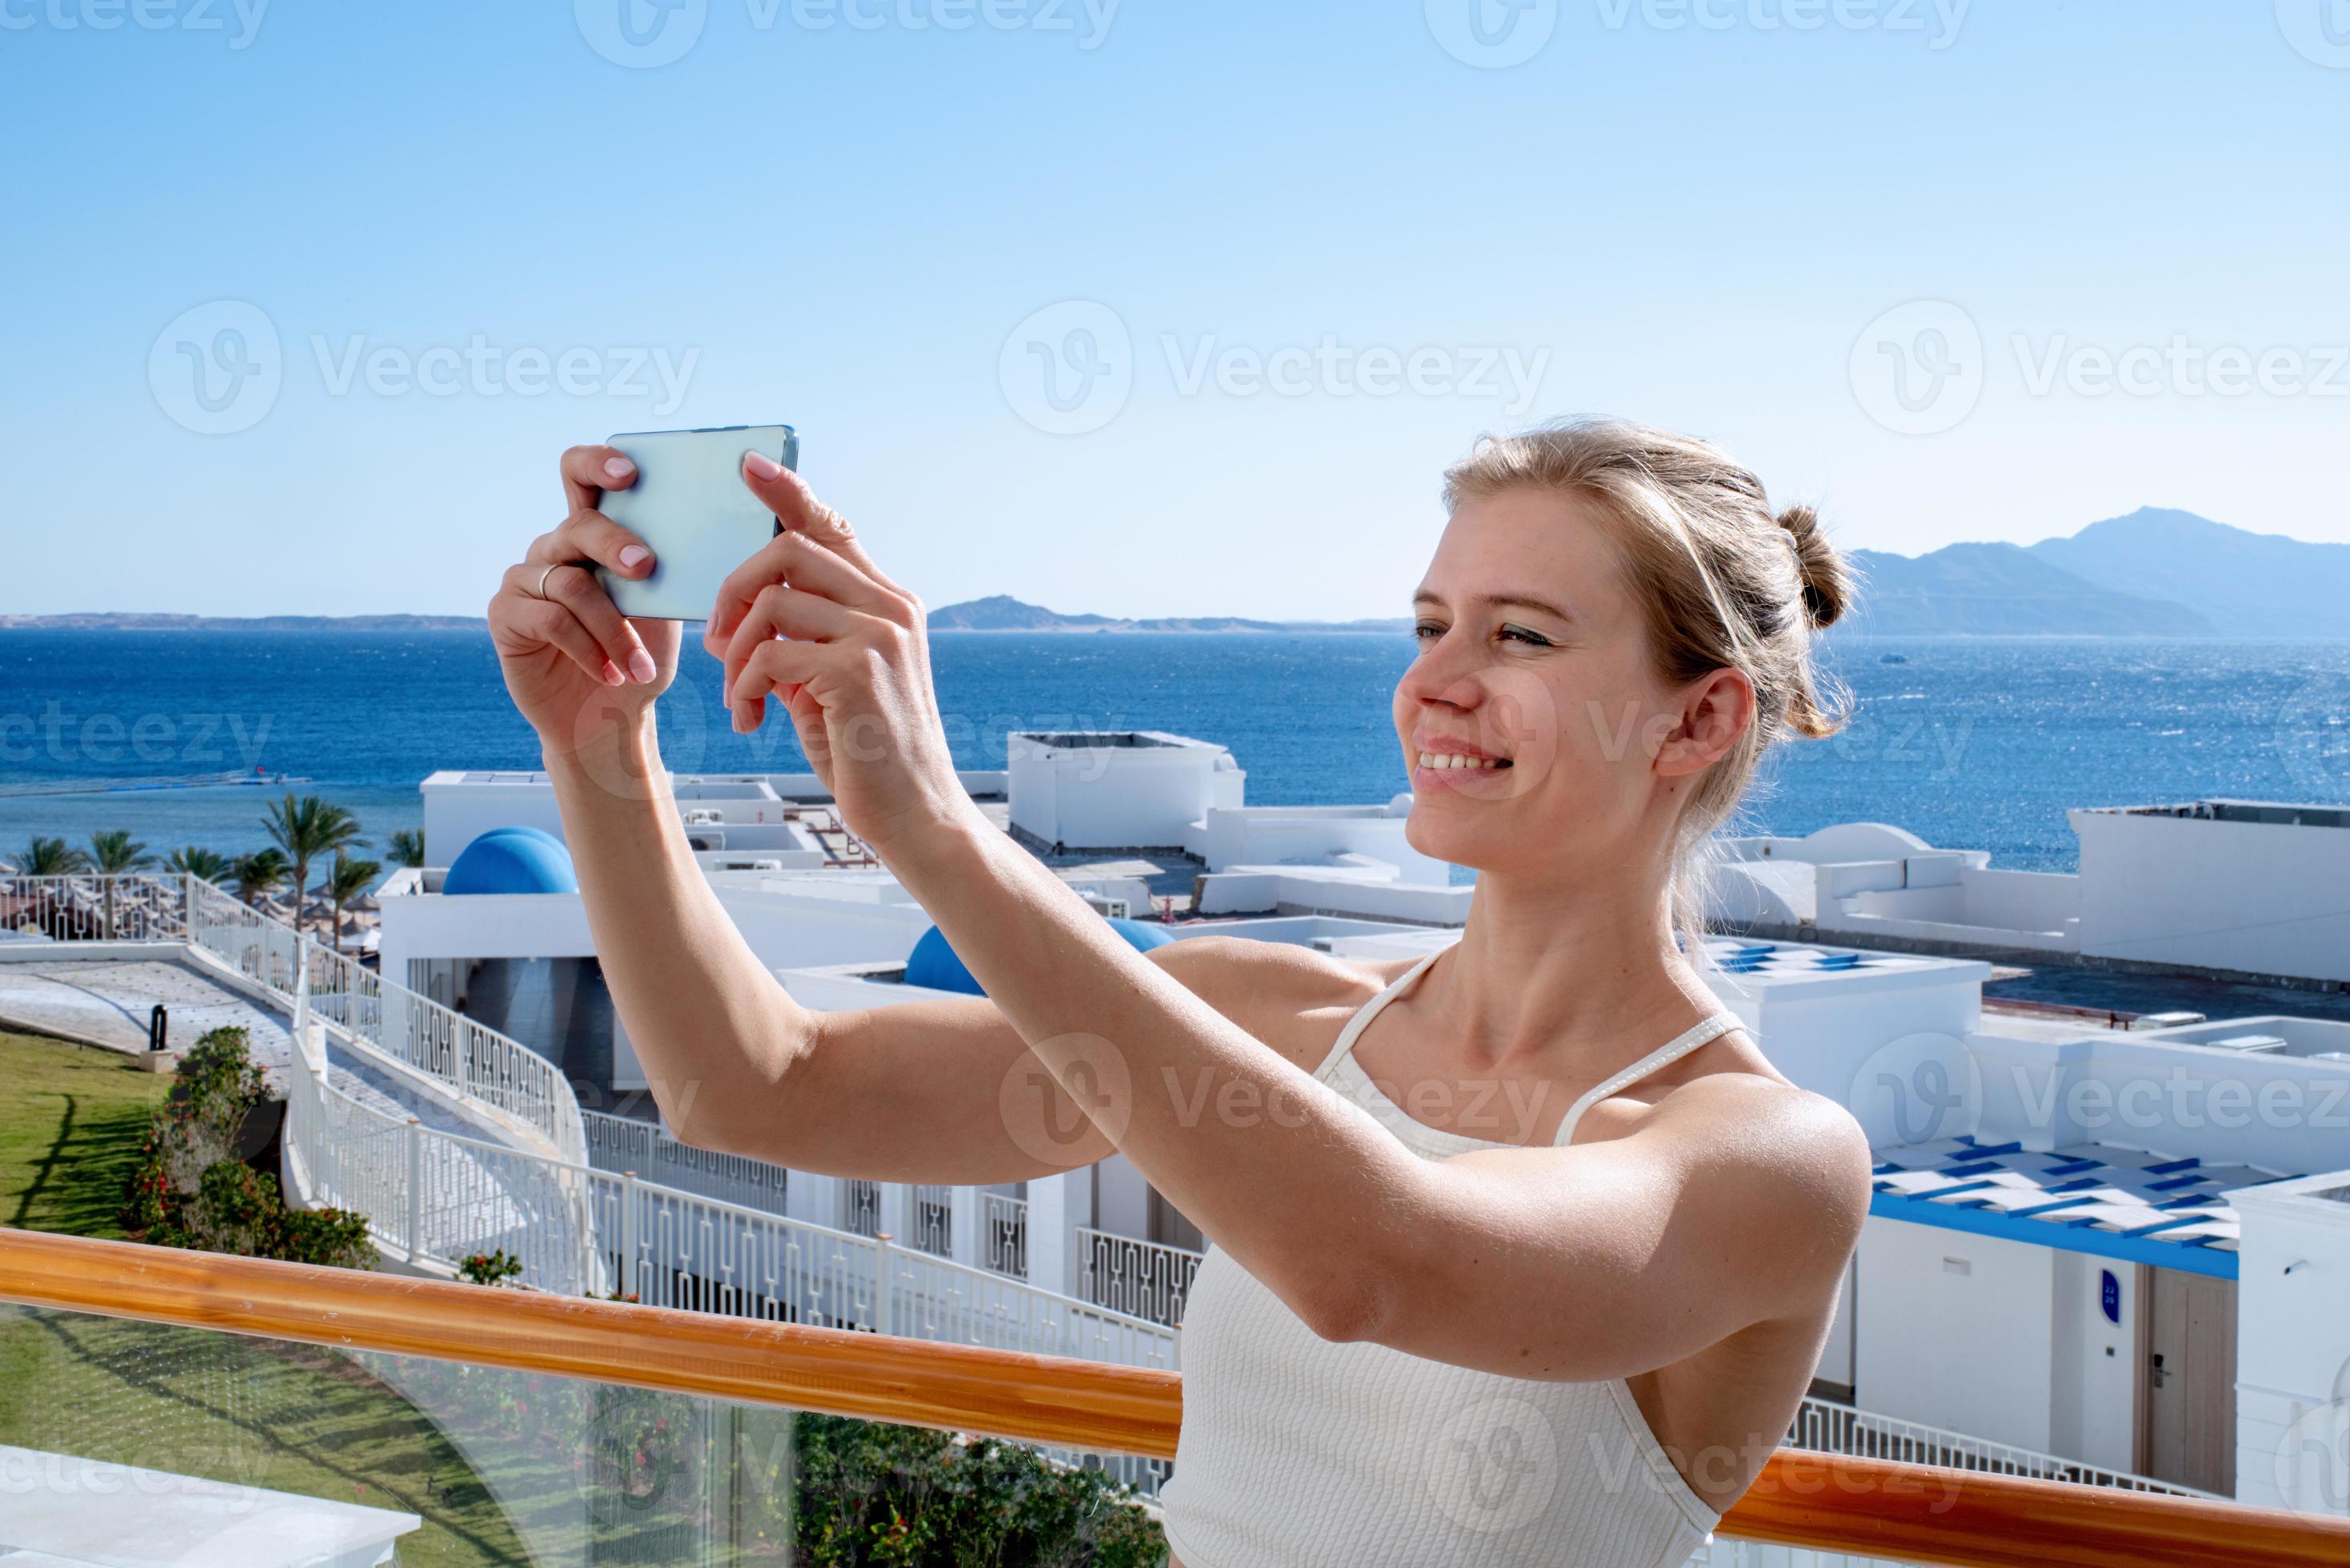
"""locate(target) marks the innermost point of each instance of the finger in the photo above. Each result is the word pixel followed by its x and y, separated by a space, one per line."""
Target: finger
pixel 795 507
pixel 798 560
pixel 777 666
pixel 589 471
pixel 592 537
pixel 560 629
pixel 784 611
pixel 576 590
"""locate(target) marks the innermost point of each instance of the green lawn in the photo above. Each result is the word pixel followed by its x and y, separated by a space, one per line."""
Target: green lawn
pixel 476 1452
pixel 70 1121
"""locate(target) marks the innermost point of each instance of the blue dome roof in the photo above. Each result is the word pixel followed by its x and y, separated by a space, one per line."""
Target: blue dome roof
pixel 935 965
pixel 513 860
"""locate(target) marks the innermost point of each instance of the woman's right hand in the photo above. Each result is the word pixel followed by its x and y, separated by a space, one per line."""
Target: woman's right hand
pixel 574 664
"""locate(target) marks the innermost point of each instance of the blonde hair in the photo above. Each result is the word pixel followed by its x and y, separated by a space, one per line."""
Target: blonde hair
pixel 1725 584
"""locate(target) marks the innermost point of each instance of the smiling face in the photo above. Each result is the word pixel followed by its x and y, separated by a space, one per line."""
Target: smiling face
pixel 1539 733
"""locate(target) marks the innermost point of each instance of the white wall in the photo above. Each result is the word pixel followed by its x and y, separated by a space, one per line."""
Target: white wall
pixel 1265 835
pixel 2264 898
pixel 1117 797
pixel 2292 1346
pixel 2094 1375
pixel 1954 1330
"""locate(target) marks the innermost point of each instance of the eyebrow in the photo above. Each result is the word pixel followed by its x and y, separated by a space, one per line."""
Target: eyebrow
pixel 1523 601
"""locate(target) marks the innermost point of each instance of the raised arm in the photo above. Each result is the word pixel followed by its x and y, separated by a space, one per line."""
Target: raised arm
pixel 1464 1260
pixel 915 1092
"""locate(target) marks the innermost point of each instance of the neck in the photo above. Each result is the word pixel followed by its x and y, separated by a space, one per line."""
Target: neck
pixel 1579 969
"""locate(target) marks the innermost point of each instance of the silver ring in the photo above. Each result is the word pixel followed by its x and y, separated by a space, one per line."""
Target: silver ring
pixel 550 572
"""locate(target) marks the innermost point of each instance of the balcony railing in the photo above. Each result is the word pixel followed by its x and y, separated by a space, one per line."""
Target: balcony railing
pixel 1867 1508
pixel 1143 1278
pixel 1842 1429
pixel 1004 1223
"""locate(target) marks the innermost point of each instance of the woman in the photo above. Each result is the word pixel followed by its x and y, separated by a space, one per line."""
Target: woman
pixel 1523 1252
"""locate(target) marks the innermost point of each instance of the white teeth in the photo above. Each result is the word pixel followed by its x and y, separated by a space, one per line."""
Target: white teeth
pixel 1448 760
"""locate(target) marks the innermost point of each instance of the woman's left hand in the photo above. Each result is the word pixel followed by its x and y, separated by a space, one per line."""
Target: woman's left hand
pixel 811 619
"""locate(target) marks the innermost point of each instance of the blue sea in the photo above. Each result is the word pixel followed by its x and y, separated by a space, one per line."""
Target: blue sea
pixel 1974 743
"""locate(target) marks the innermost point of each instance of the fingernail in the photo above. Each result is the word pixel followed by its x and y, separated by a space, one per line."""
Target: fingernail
pixel 761 465
pixel 641 666
pixel 633 555
pixel 612 676
pixel 618 467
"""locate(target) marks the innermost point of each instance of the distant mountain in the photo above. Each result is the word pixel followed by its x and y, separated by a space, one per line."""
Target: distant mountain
pixel 1002 612
pixel 2245 584
pixel 2001 590
pixel 108 620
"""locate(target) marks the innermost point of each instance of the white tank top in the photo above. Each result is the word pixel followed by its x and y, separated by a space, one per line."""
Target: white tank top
pixel 1300 1452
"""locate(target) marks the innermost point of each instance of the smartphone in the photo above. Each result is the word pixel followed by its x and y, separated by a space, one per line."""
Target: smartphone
pixel 692 510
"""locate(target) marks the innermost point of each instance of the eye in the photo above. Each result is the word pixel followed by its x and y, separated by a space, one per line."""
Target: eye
pixel 1520 634
pixel 1426 631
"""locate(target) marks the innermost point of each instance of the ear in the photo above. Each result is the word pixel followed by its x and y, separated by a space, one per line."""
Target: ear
pixel 1714 711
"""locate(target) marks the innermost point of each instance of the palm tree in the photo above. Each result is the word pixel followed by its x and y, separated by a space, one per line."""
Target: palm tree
pixel 348 880
pixel 203 865
pixel 408 848
pixel 307 829
pixel 52 858
pixel 259 874
pixel 115 852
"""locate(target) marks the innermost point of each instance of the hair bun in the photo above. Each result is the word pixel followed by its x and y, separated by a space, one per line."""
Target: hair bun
pixel 1827 585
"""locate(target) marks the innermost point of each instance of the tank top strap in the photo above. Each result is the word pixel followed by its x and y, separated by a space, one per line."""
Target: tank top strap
pixel 1370 1010
pixel 1704 1032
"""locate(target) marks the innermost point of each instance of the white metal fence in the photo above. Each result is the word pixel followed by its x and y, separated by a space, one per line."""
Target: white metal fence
pixel 466 1057
pixel 1004 1224
pixel 93 908
pixel 1145 1279
pixel 620 1144
pixel 1832 1428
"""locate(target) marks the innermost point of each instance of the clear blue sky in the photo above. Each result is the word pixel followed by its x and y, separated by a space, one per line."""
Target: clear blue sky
pixel 841 226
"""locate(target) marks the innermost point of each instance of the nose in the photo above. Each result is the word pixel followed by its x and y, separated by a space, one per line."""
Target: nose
pixel 1445 675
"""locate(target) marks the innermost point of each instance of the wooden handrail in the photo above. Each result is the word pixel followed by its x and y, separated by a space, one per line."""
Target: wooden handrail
pixel 1043 1398
pixel 1821 1501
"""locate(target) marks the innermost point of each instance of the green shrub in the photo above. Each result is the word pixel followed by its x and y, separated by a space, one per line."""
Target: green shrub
pixel 190 1190
pixel 872 1494
pixel 490 1268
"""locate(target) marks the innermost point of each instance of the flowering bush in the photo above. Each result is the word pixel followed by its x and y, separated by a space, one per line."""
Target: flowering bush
pixel 490 1268
pixel 188 1189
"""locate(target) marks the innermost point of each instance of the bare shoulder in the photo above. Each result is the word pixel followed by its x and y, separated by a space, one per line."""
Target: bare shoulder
pixel 1292 997
pixel 1785 1146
